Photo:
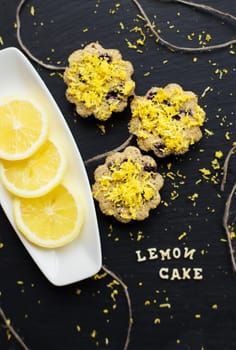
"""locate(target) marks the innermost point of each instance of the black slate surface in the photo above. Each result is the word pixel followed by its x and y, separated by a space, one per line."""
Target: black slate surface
pixel 168 314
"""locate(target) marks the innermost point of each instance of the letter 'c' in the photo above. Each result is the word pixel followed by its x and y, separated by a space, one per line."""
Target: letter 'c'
pixel 163 273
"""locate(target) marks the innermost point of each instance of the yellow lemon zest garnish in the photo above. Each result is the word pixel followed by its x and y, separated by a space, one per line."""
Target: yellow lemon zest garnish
pixel 128 185
pixel 161 118
pixel 93 78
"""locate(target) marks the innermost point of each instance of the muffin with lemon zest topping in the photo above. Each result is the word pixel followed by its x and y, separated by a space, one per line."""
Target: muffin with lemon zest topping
pixel 98 81
pixel 166 120
pixel 127 185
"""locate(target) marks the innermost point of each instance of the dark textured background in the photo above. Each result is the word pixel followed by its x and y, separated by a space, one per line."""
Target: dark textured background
pixel 89 315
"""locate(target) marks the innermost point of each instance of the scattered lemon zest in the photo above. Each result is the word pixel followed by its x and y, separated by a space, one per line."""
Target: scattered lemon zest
pixel 205 171
pixel 122 26
pixel 182 235
pixel 165 305
pixel 112 284
pixel 219 154
pixel 114 294
pixel 32 10
pixel 20 282
pixel 102 128
pixel 157 320
pixel 93 334
pixel 142 39
pixel 100 276
pixel 215 164
pixel 206 90
pixel 209 132
pixel 227 135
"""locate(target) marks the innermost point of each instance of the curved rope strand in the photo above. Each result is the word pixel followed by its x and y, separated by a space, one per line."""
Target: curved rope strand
pixel 225 225
pixel 117 149
pixel 164 42
pixel 125 288
pixel 207 8
pixel 12 330
pixel 24 48
pixel 182 48
pixel 226 166
pixel 228 206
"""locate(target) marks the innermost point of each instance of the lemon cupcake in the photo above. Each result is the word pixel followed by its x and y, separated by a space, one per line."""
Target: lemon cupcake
pixel 127 185
pixel 166 120
pixel 98 81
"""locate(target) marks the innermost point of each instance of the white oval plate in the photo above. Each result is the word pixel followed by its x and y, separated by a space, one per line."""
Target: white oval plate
pixel 81 258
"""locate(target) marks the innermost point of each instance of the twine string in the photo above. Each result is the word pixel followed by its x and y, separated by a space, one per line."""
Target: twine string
pixel 22 45
pixel 160 39
pixel 105 154
pixel 12 330
pixel 226 166
pixel 207 8
pixel 175 47
pixel 128 299
pixel 228 206
pixel 226 226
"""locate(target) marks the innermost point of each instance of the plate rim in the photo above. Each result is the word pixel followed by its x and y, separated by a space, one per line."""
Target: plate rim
pixel 44 89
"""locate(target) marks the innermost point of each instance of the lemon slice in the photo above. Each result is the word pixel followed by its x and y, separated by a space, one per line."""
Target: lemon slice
pixel 51 221
pixel 36 175
pixel 23 128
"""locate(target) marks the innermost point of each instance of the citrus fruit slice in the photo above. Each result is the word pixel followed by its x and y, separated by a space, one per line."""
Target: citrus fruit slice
pixel 52 220
pixel 23 128
pixel 36 175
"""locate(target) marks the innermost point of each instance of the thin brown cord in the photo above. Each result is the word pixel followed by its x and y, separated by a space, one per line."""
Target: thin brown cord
pixel 125 288
pixel 117 149
pixel 24 48
pixel 182 48
pixel 164 42
pixel 207 8
pixel 226 166
pixel 12 330
pixel 228 206
pixel 226 226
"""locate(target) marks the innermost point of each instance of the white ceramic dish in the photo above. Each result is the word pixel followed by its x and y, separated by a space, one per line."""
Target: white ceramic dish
pixel 81 258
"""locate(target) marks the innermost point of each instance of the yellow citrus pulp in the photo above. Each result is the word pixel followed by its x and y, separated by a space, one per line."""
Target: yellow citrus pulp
pixel 46 212
pixel 36 175
pixel 23 129
pixel 52 220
